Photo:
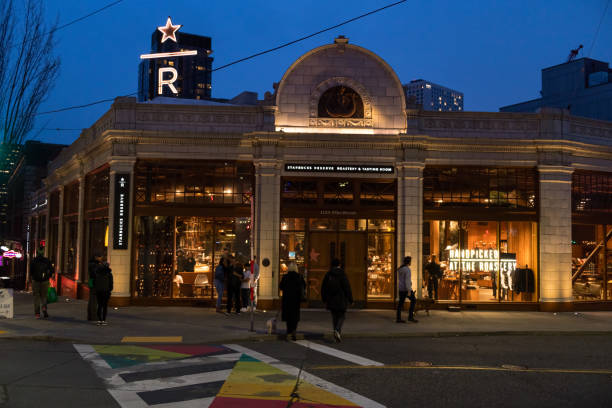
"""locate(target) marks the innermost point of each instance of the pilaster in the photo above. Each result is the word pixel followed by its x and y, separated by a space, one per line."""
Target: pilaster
pixel 80 229
pixel 120 259
pixel 267 226
pixel 60 233
pixel 555 231
pixel 410 218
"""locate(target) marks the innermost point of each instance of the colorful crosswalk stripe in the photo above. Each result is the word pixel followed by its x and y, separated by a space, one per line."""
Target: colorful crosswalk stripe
pixel 218 376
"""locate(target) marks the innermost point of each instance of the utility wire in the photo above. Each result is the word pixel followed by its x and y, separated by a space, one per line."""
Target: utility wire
pixel 311 35
pixel 66 24
pixel 603 15
pixel 237 61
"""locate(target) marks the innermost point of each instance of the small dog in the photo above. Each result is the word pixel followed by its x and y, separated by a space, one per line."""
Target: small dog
pixel 271 325
pixel 423 304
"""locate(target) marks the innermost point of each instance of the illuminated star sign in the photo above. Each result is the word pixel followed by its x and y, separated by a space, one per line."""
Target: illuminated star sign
pixel 122 182
pixel 169 30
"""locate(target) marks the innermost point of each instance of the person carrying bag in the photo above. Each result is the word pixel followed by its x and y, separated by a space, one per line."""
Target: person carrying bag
pixel 41 271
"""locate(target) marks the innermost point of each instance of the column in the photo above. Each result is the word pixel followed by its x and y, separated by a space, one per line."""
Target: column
pixel 80 230
pixel 120 256
pixel 555 234
pixel 47 222
pixel 410 218
pixel 60 234
pixel 267 228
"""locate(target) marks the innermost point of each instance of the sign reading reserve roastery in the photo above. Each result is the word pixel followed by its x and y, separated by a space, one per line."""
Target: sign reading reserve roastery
pixel 122 202
pixel 339 168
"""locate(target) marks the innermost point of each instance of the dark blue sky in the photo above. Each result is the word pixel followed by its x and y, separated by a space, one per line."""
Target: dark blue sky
pixel 492 51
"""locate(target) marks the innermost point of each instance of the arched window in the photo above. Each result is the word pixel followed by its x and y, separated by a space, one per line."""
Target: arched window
pixel 340 102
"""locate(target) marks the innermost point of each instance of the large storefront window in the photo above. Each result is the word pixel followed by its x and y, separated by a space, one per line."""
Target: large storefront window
pixel 177 256
pixel 480 225
pixel 483 261
pixel 97 186
pixel 591 235
pixel 469 186
pixel 211 182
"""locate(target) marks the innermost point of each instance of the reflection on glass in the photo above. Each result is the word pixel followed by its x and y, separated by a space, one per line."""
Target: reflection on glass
pixel 194 256
pixel 588 261
pixel 380 265
pixel 478 258
pixel 381 225
pixel 444 238
pixel 517 242
pixel 292 250
pixel 323 224
pixel 155 242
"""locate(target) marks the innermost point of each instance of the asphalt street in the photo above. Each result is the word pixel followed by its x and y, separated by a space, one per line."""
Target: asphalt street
pixel 472 371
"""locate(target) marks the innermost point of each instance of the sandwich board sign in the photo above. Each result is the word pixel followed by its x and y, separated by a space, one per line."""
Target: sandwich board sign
pixel 6 303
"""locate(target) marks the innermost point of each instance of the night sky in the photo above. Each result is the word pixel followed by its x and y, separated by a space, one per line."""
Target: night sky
pixel 492 51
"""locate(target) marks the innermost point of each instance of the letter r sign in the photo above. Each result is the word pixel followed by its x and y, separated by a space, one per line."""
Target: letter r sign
pixel 161 81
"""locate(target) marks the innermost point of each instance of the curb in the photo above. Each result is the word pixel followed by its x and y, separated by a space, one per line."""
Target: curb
pixel 328 336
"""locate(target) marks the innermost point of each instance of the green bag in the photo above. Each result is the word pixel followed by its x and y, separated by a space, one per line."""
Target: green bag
pixel 90 283
pixel 51 295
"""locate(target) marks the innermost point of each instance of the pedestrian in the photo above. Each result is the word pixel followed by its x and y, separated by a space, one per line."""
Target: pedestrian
pixel 92 304
pixel 404 282
pixel 254 280
pixel 292 285
pixel 245 290
pixel 434 274
pixel 103 285
pixel 337 296
pixel 41 270
pixel 220 282
pixel 234 277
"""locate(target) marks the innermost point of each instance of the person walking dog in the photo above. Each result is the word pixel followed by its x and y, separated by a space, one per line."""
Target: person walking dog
pixel 337 296
pixel 292 285
pixel 404 282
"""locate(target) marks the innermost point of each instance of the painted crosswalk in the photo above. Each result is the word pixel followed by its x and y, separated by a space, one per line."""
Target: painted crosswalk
pixel 217 376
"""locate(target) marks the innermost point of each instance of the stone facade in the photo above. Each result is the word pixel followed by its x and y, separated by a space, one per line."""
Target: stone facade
pixel 388 134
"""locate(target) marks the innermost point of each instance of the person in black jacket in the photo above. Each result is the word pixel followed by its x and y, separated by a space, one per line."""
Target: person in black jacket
pixel 41 270
pixel 92 305
pixel 337 296
pixel 292 285
pixel 103 286
pixel 234 278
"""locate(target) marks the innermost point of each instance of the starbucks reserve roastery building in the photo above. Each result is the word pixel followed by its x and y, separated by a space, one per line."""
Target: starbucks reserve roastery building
pixel 335 163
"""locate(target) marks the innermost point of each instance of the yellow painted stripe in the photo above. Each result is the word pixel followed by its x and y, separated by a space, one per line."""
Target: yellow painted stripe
pixel 158 339
pixel 474 368
pixel 3 331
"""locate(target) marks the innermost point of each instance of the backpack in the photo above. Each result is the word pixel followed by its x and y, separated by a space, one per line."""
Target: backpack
pixel 41 269
pixel 333 285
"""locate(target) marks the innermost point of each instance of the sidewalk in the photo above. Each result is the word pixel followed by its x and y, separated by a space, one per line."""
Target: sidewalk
pixel 203 325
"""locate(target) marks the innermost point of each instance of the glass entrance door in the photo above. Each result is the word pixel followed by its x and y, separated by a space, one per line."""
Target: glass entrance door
pixel 350 248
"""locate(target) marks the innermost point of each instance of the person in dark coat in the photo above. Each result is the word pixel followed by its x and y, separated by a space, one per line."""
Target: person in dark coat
pixel 292 285
pixel 92 305
pixel 234 278
pixel 337 296
pixel 41 270
pixel 103 286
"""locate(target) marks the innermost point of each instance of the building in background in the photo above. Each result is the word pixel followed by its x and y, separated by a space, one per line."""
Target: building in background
pixel 433 97
pixel 194 72
pixel 582 86
pixel 26 177
pixel 9 154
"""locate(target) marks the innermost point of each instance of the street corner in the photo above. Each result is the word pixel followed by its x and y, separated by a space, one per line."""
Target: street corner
pixel 208 375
